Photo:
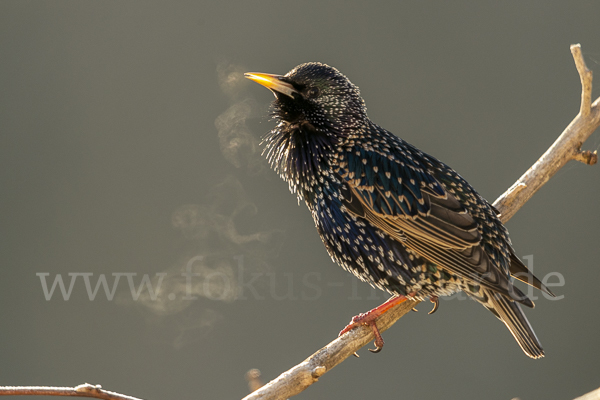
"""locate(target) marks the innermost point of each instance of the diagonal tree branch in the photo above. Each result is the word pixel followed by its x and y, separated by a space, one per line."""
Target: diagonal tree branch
pixel 298 378
pixel 567 147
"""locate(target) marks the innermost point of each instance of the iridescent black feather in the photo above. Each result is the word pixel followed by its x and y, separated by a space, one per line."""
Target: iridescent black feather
pixel 387 212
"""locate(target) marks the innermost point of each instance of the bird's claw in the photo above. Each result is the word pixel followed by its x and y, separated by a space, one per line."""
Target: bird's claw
pixel 436 304
pixel 378 339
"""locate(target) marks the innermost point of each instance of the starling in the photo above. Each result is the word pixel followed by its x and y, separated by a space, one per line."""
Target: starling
pixel 387 212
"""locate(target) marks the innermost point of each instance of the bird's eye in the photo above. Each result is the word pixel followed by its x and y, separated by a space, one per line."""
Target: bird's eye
pixel 312 92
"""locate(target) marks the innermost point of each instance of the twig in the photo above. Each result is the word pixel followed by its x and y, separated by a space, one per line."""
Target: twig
pixel 254 381
pixel 566 147
pixel 85 390
pixel 585 75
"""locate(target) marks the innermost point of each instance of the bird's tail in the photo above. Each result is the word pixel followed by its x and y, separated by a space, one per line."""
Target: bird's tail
pixel 511 314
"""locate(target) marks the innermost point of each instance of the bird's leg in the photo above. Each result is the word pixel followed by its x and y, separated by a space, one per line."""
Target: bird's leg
pixel 369 318
pixel 436 304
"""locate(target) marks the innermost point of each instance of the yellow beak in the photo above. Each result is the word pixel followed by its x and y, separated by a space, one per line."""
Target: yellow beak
pixel 272 82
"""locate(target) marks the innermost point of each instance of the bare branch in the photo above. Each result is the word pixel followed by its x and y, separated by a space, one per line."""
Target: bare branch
pixel 567 147
pixel 85 390
pixel 295 380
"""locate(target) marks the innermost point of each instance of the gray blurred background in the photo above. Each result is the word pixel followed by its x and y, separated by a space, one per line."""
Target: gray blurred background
pixel 129 145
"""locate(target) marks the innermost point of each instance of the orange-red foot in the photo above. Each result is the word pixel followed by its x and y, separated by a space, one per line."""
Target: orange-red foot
pixel 369 319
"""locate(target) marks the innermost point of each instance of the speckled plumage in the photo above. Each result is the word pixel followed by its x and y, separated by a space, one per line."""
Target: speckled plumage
pixel 387 212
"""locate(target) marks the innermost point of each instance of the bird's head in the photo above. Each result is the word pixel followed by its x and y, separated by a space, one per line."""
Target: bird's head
pixel 315 94
pixel 318 108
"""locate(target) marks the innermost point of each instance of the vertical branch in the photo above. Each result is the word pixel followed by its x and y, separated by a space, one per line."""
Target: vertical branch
pixel 585 75
pixel 567 147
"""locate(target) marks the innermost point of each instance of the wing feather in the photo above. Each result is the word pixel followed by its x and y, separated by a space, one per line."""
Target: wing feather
pixel 446 234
